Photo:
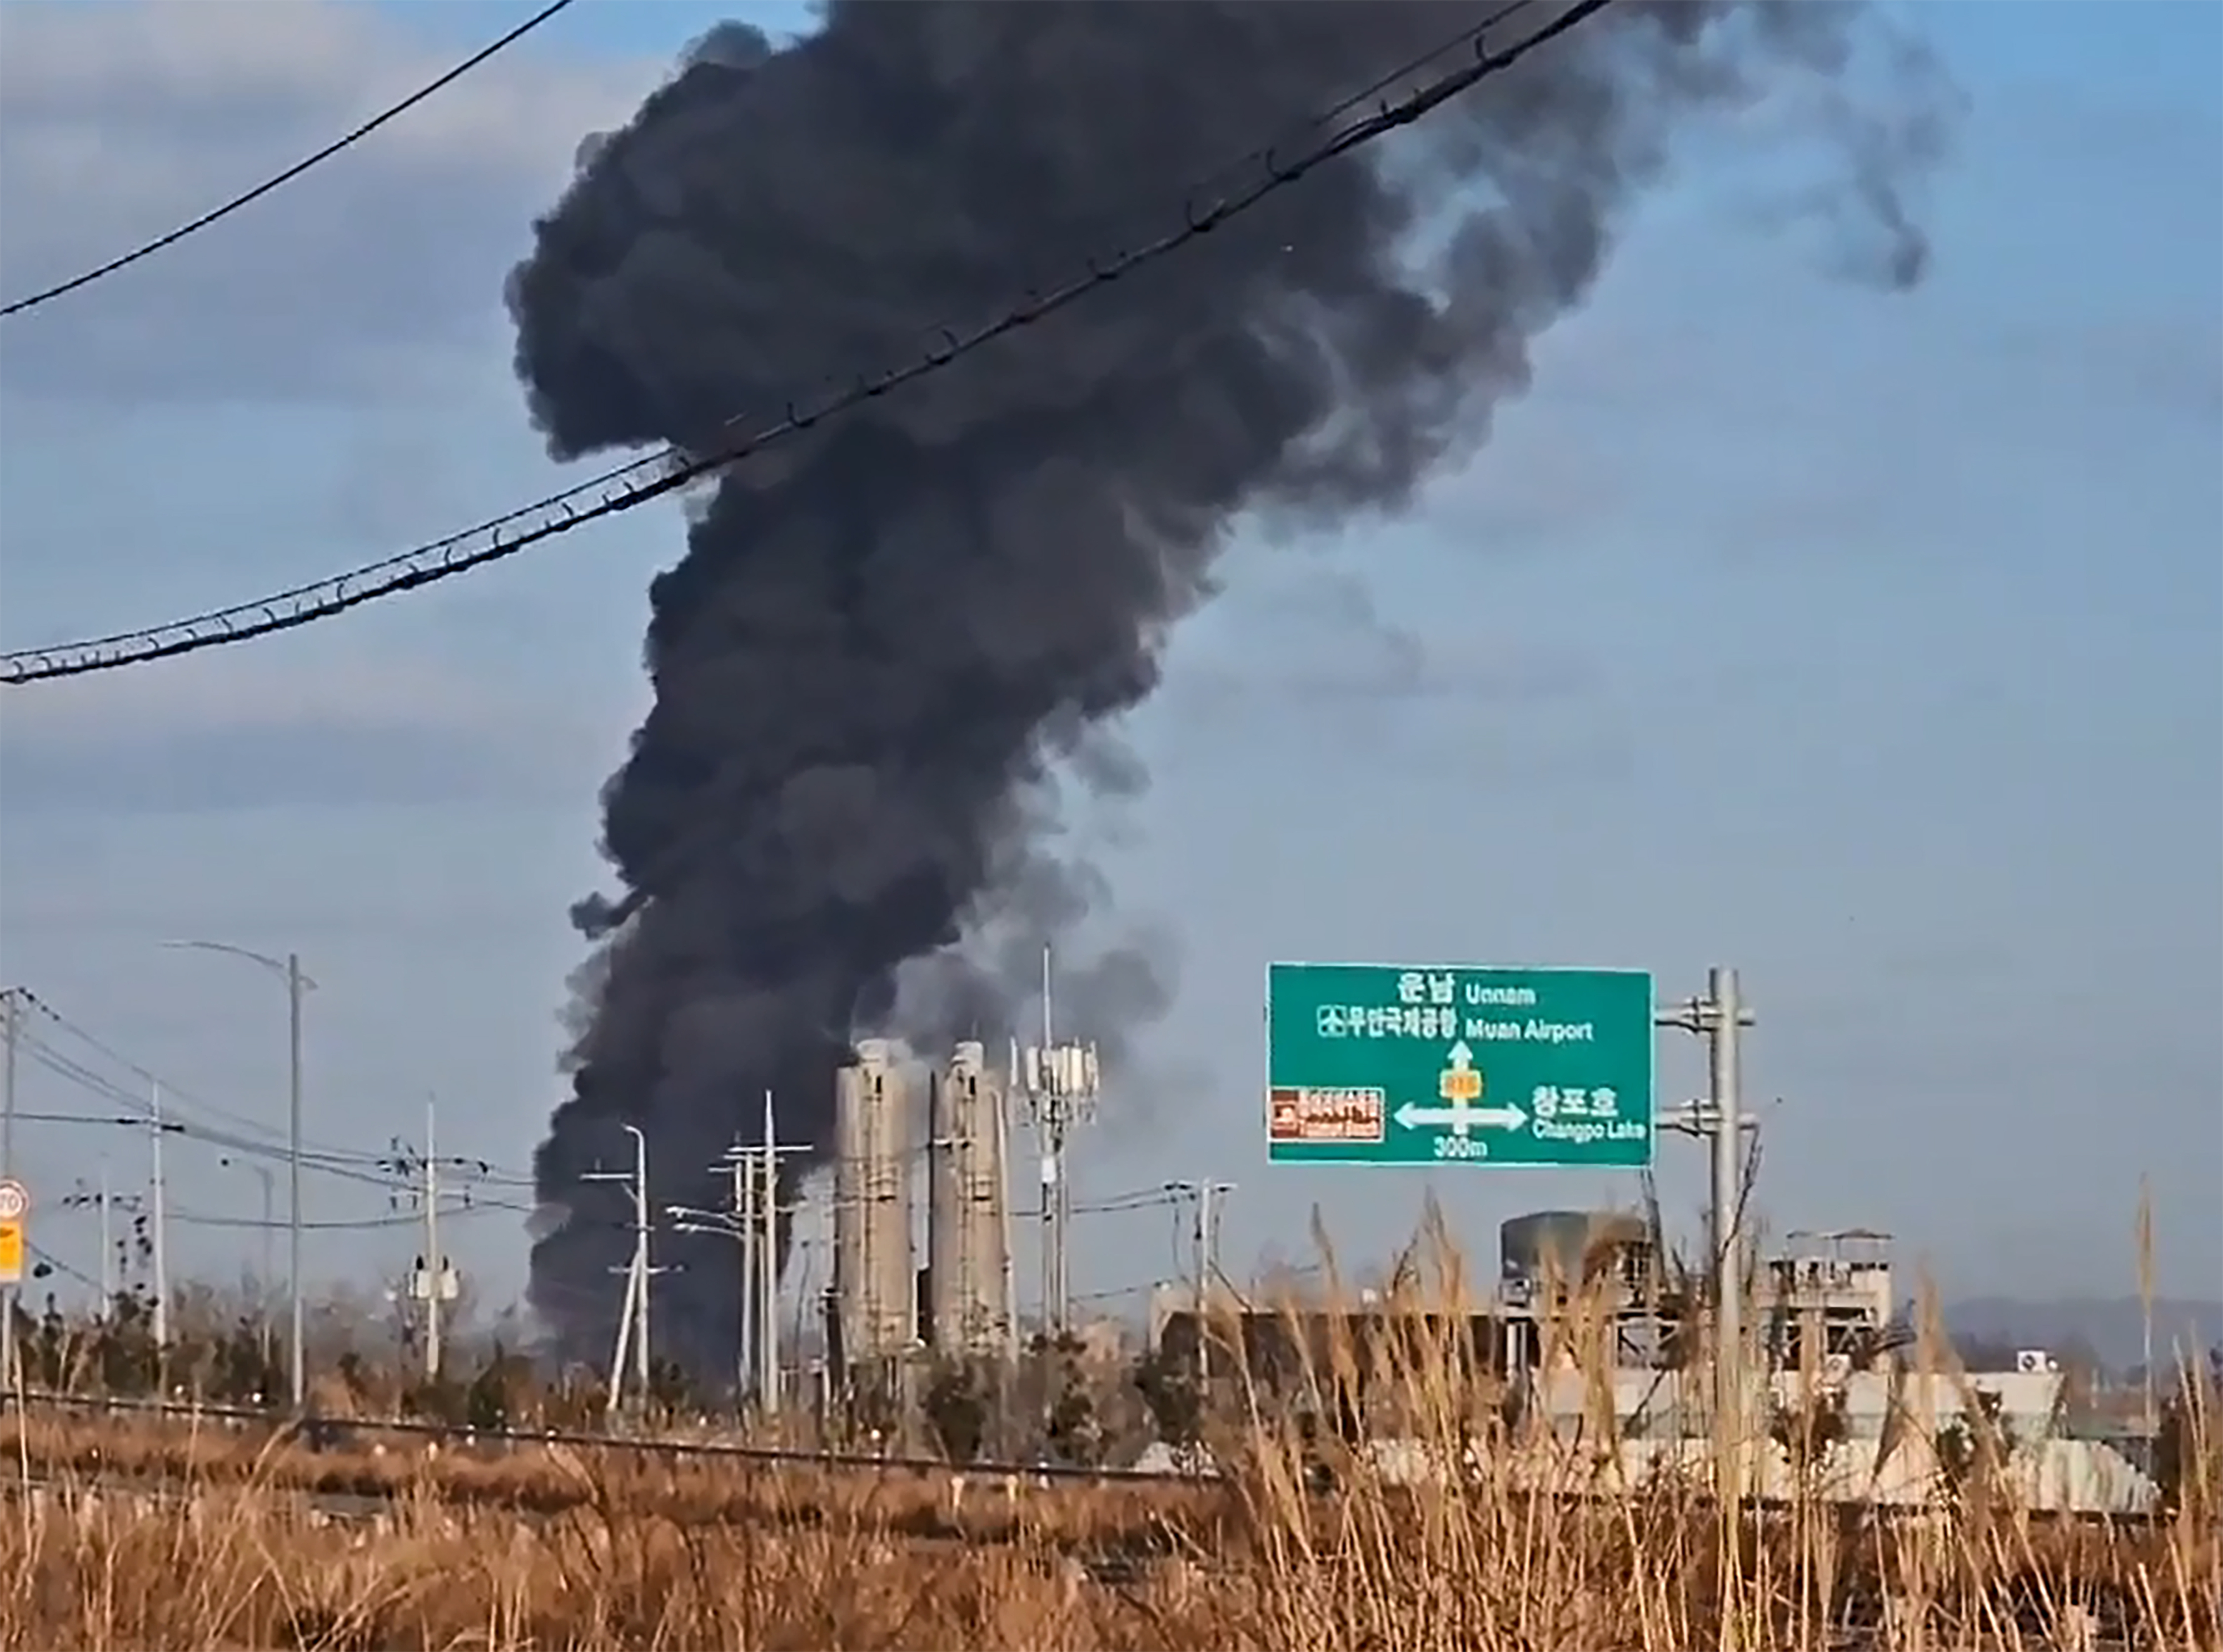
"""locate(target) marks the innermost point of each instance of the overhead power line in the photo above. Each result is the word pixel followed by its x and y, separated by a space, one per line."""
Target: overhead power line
pixel 629 486
pixel 139 1115
pixel 39 1253
pixel 329 1224
pixel 177 1094
pixel 347 140
pixel 249 1140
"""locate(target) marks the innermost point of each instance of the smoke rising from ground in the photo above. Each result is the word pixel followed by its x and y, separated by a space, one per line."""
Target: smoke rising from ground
pixel 891 642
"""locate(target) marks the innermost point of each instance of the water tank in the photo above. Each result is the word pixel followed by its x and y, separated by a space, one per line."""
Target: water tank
pixel 1575 1245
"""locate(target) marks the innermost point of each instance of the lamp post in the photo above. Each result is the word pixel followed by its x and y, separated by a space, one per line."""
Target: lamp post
pixel 297 985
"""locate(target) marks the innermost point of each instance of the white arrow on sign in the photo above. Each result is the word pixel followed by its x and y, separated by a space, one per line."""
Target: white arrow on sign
pixel 1414 1117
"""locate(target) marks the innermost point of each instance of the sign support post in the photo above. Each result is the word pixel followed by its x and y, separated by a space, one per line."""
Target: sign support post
pixel 1719 1016
pixel 14 1214
pixel 11 1263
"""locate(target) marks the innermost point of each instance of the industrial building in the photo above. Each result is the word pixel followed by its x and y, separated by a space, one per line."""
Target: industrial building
pixel 873 1317
pixel 1825 1303
pixel 968 1289
pixel 898 1121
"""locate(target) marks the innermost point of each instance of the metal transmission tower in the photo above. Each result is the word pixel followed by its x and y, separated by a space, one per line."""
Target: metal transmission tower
pixel 1060 1082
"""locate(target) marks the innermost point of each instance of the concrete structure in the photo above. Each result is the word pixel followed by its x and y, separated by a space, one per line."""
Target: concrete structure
pixel 1823 1321
pixel 969 1287
pixel 1573 1248
pixel 1828 1297
pixel 875 1293
pixel 1889 1453
pixel 1607 1259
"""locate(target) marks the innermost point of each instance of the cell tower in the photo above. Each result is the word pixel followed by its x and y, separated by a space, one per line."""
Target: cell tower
pixel 1059 1083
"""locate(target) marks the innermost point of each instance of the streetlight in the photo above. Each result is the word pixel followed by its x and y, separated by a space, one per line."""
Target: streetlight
pixel 297 985
pixel 633 1319
pixel 727 1224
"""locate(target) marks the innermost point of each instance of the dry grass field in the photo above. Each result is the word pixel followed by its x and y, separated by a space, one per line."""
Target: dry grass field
pixel 255 1541
pixel 1255 1566
pixel 563 1549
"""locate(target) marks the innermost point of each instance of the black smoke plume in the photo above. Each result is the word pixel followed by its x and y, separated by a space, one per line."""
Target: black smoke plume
pixel 886 635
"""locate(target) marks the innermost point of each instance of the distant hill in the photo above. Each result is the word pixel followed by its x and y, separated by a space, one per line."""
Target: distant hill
pixel 2111 1327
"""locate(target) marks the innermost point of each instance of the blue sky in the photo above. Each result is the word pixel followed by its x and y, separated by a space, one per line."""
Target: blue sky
pixel 1872 644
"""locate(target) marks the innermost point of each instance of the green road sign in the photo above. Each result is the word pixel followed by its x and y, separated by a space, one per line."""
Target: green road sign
pixel 1394 1064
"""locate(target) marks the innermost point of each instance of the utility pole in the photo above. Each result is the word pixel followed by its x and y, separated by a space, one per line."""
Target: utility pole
pixel 106 1200
pixel 742 1164
pixel 268 1238
pixel 298 986
pixel 1059 1082
pixel 1720 1017
pixel 10 1014
pixel 10 1010
pixel 766 1247
pixel 107 1248
pixel 753 1222
pixel 267 1275
pixel 158 1220
pixel 436 1266
pixel 1055 1170
pixel 1204 1252
pixel 433 1281
pixel 632 1316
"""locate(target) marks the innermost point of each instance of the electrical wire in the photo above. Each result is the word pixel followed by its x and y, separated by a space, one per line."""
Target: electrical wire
pixel 174 1094
pixel 630 486
pixel 141 1116
pixel 352 1224
pixel 1111 1205
pixel 346 140
pixel 55 1264
pixel 253 1140
pixel 1115 1293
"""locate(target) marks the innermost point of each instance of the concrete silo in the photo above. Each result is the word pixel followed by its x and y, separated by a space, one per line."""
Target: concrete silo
pixel 968 1211
pixel 874 1288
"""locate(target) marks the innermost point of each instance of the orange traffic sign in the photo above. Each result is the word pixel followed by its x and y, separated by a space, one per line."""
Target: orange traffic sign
pixel 11 1252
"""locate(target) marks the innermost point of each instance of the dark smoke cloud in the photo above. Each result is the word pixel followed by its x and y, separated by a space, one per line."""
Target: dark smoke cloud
pixel 886 638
